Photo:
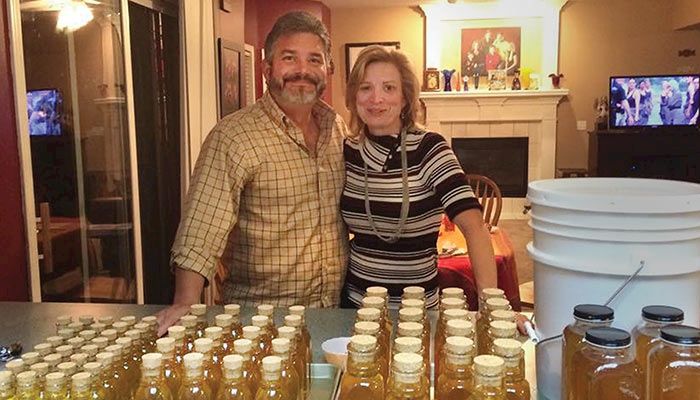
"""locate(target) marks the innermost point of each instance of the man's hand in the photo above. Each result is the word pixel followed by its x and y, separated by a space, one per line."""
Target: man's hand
pixel 188 291
pixel 169 316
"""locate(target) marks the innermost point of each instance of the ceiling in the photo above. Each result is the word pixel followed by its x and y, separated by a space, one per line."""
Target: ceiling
pixel 378 3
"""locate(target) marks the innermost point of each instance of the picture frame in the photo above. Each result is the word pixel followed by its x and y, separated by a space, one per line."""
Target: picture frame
pixel 432 80
pixel 231 77
pixel 490 48
pixel 226 5
pixel 497 79
pixel 352 50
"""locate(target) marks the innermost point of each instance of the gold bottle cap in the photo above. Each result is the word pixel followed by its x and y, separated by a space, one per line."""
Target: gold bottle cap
pixel 203 345
pixel 260 320
pixel 79 358
pixel 251 332
pixel 497 303
pixel 176 332
pixel 115 349
pixel 90 349
pixel 188 321
pixel 110 334
pixel 65 350
pixel 86 319
pixel 17 365
pixel 125 342
pixel 120 327
pixel 151 360
pixel 41 368
pixel 63 320
pixel 407 344
pixel 232 309
pixel 293 320
pixel 413 303
pixel 366 328
pixel 43 349
pixel 6 377
pixel 413 292
pixel 233 362
pixel 55 341
pixel 52 359
pixel 408 363
pixel 507 347
pixel 87 334
pixel 503 329
pixel 68 368
pixel 281 345
pixel 93 367
pixel 76 342
pixel 459 345
pixel 266 309
pixel 193 360
pixel 134 334
pixel 107 320
pixel 413 329
pixel 223 320
pixel 30 358
pixel 503 315
pixel 65 333
pixel 55 378
pixel 297 310
pixel 198 309
pixel 410 314
pixel 455 313
pixel 288 332
pixel 373 302
pixel 151 320
pixel 165 344
pixel 81 379
pixel 271 364
pixel 369 314
pixel 105 358
pixel 488 365
pixel 489 293
pixel 25 378
pixel 377 291
pixel 459 327
pixel 363 343
pixel 452 303
pixel 453 293
pixel 241 346
pixel 213 332
pixel 101 342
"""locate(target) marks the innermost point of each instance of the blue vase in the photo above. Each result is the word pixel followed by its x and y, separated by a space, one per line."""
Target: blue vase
pixel 448 78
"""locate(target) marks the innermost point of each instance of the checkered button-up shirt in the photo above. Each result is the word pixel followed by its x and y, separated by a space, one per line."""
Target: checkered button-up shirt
pixel 268 208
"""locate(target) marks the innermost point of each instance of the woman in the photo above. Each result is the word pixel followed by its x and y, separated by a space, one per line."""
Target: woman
pixel 399 181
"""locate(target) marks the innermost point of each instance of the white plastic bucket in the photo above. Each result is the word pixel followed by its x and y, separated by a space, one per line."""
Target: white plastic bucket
pixel 591 234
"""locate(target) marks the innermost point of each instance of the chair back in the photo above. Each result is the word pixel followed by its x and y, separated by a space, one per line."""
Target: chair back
pixel 489 196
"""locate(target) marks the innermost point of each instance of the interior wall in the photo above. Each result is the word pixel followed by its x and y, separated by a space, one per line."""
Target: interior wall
pixel 600 38
pixel 685 13
pixel 230 24
pixel 387 24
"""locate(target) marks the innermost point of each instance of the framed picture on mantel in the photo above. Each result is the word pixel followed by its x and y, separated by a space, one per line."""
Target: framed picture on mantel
pixel 352 50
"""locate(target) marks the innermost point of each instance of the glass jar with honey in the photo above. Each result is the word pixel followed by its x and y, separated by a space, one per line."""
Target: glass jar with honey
pixel 646 334
pixel 674 364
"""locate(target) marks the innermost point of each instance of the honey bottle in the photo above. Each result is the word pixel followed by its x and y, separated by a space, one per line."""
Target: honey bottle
pixel 98 327
pixel 234 310
pixel 55 387
pixel 119 375
pixel 271 385
pixel 586 316
pixel 65 351
pixel 233 386
pixel 290 378
pixel 252 333
pixel 62 322
pixel 453 293
pixel 289 332
pixel 41 369
pixel 172 371
pixel 87 334
pixel 43 349
pixel 488 378
pixel 137 346
pixel 362 379
pixel 407 344
pixel 30 358
pixel 373 329
pixel 108 377
pixel 269 311
pixel 121 327
pixel 17 365
pixel 604 367
pixel 490 293
pixel 674 364
pixel 7 389
pixel 225 322
pixel 131 368
pixel 412 303
pixel 380 303
pixel 303 330
pixel 106 319
pixel 52 359
pixel 413 292
pixel 304 343
pixel 500 330
pixel 265 338
pixel 110 335
pixel 194 385
pixel 250 370
pixel 415 314
pixel 151 332
pixel 516 386
pixel 86 320
pixel 211 371
pixel 68 368
pixel 454 327
pixel 190 324
pixel 482 324
pixel 177 332
pixel 214 333
pixel 147 343
pixel 647 333
pixel 26 386
pixel 407 379
pixel 152 385
pixel 96 387
pixel 200 312
pixel 456 381
pixel 129 320
pixel 414 329
pixel 76 342
pixel 375 315
pixel 81 387
pixel 90 350
pixel 457 310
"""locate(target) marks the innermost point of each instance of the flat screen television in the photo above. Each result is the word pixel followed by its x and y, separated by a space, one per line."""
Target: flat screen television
pixel 44 110
pixel 651 101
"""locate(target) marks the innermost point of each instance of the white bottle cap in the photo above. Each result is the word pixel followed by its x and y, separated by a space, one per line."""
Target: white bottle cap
pixel 408 362
pixel 407 344
pixel 188 321
pixel 203 345
pixel 288 332
pixel 260 320
pixel 241 346
pixel 377 291
pixel 459 327
pixel 410 314
pixel 198 309
pixel 369 314
pixel 151 360
pixel 266 309
pixel 281 345
pixel 233 362
pixel 293 320
pixel 176 332
pixel 459 345
pixel 413 292
pixel 367 328
pixel 193 360
pixel 271 364
pixel 223 320
pixel 251 332
pixel 413 329
pixel 232 309
pixel 165 344
pixel 488 365
pixel 115 349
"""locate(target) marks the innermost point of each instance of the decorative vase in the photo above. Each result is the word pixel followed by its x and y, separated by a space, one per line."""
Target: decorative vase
pixel 448 78
pixel 556 80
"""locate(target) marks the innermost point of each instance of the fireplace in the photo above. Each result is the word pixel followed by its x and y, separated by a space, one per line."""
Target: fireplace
pixel 504 160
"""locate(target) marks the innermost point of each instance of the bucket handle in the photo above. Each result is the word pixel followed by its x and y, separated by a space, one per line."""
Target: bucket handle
pixel 535 337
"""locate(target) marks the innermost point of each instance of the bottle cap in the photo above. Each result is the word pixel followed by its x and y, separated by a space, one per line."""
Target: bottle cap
pixel 193 360
pixel 490 293
pixel 151 360
pixel 232 309
pixel 507 347
pixel 271 364
pixel 367 328
pixel 18 365
pixel 281 345
pixel 52 359
pixel 260 320
pixel 233 362
pixel 68 367
pixel 459 345
pixel 5 377
pixel 81 378
pixel 593 312
pixel 30 358
pixel 110 334
pixel 413 292
pixel 87 334
pixel 125 342
pixel 55 378
pixel 459 327
pixel 213 332
pixel 662 314
pixel 79 358
pixel 223 320
pixel 293 320
pixel 452 303
pixel 503 329
pixel 107 320
pixel 93 367
pixel 54 341
pixel 98 327
pixel 203 345
pixel 41 368
pixel 251 332
pixel 363 343
pixel 266 309
pixel 150 320
pixel 373 302
pixel 497 303
pixel 76 342
pixel 43 349
pixel 369 314
pixel 288 332
pixel 64 350
pixel 134 334
pixel 297 310
pixel 90 349
pixel 129 319
pixel 413 329
pixel 120 327
pixel 198 309
pixel 105 358
pixel 608 337
pixel 143 327
pixel 25 378
pixel 413 303
pixel 453 293
pixel 66 333
pixel 503 315
pixel 165 344
pixel 377 291
pixel 86 319
pixel 63 320
pixel 241 346
pixel 407 344
pixel 488 365
pixel 115 349
pixel 176 332
pixel 188 321
pixel 410 314
pixel 455 313
pixel 408 363
pixel 681 334
pixel 101 342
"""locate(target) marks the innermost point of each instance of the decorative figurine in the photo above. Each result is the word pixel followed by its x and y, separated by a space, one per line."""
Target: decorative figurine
pixel 448 79
pixel 516 80
pixel 432 79
pixel 556 79
pixel 476 80
pixel 465 83
pixel 534 82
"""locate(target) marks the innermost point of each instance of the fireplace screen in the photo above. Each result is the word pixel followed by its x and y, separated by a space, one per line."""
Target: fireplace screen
pixel 504 160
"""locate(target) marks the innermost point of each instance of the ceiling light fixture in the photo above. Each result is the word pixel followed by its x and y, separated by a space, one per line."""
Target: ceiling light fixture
pixel 74 15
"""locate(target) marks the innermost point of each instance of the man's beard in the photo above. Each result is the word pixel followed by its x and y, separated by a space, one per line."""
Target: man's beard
pixel 298 95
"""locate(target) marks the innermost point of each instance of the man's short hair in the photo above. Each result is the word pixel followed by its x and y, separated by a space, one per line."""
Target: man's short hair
pixel 298 22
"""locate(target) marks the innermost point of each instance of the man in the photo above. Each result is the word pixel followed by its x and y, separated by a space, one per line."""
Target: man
pixel 265 190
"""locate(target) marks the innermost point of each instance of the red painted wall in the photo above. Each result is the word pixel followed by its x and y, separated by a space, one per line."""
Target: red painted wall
pixel 14 278
pixel 261 16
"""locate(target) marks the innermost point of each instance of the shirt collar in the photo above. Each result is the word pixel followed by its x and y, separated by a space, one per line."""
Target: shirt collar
pixel 323 113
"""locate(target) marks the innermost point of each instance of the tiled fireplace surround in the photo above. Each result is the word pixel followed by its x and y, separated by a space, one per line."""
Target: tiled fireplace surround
pixel 482 114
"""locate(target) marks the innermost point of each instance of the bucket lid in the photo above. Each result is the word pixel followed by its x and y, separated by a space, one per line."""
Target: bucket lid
pixel 594 312
pixel 681 334
pixel 617 195
pixel 662 314
pixel 608 337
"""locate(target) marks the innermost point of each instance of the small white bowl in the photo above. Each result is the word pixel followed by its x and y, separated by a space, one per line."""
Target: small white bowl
pixel 336 351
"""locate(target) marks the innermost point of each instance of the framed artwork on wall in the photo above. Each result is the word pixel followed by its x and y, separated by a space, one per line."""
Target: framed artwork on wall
pixel 231 83
pixel 352 50
pixel 488 49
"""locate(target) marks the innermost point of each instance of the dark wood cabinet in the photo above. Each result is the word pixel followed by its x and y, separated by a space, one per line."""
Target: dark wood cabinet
pixel 662 153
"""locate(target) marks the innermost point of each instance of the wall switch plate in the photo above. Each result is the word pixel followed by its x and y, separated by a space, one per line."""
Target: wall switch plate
pixel 581 125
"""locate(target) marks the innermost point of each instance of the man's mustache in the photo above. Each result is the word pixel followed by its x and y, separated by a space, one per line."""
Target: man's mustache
pixel 301 77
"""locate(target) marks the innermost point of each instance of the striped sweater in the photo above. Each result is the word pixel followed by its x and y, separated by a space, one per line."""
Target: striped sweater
pixel 436 184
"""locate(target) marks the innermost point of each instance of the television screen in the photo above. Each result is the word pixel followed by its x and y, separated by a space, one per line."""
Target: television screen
pixel 643 101
pixel 44 112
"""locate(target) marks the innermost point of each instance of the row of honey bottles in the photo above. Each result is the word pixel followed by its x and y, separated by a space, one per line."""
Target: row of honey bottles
pixel 659 360
pixel 376 371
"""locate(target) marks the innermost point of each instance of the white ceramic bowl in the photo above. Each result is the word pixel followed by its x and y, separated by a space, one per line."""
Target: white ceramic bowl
pixel 336 351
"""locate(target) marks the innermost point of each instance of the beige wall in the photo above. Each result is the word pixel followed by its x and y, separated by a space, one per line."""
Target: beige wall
pixel 394 24
pixel 685 13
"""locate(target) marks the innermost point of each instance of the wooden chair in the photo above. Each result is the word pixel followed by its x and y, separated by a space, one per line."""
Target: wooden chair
pixel 489 196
